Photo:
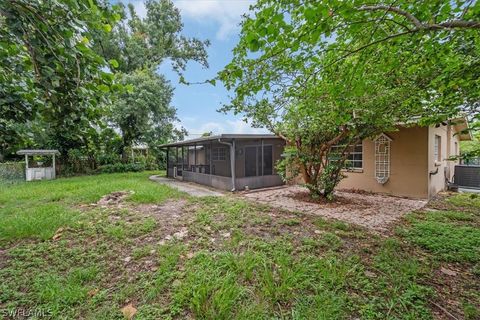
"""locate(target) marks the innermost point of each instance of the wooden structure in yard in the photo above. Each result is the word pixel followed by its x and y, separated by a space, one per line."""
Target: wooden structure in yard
pixel 37 170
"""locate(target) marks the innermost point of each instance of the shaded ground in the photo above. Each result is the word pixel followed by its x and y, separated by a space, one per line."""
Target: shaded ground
pixel 373 211
pixel 192 189
pixel 136 246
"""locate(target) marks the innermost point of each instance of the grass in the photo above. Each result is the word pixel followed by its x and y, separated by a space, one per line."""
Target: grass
pixel 38 209
pixel 237 260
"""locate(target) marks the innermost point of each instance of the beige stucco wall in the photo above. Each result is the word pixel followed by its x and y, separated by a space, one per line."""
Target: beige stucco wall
pixel 408 165
pixel 447 149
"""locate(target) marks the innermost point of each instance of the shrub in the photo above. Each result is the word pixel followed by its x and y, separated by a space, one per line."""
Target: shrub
pixel 12 172
pixel 122 167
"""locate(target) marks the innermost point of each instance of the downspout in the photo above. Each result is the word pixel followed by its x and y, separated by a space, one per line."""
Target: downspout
pixel 232 160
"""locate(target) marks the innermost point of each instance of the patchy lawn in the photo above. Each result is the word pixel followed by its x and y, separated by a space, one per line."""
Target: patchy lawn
pixel 88 247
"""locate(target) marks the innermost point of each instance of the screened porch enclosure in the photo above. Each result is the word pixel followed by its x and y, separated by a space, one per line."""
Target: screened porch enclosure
pixel 228 162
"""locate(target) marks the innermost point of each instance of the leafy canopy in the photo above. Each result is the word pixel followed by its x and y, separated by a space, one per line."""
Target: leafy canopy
pixel 137 43
pixel 139 46
pixel 49 72
pixel 320 73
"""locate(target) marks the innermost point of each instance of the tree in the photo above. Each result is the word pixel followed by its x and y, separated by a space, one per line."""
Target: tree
pixel 138 43
pixel 471 149
pixel 327 73
pixel 144 112
pixel 49 72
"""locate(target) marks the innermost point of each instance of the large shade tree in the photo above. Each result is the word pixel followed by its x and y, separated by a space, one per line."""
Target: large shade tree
pixel 144 113
pixel 140 45
pixel 326 73
pixel 49 72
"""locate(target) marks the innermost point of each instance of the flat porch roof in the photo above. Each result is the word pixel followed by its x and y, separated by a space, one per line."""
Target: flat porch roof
pixel 218 137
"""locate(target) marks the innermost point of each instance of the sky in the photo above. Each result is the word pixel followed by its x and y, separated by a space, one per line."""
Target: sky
pixel 197 105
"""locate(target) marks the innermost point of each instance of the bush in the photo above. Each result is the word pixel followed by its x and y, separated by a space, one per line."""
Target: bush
pixel 122 167
pixel 12 172
pixel 150 162
pixel 108 158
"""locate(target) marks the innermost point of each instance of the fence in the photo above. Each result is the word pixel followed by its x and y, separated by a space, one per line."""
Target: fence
pixel 467 176
pixel 12 172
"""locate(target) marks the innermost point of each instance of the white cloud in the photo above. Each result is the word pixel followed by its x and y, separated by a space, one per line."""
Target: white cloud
pixel 226 13
pixel 196 128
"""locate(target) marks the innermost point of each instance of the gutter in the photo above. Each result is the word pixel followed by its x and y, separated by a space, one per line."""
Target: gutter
pixel 232 160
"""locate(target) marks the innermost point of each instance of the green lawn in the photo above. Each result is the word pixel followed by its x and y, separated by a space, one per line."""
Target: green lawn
pixel 175 257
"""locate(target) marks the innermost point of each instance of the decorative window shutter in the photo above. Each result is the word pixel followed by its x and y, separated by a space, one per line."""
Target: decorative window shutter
pixel 382 158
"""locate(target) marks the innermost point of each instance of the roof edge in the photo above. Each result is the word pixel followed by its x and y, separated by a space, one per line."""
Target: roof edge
pixel 220 136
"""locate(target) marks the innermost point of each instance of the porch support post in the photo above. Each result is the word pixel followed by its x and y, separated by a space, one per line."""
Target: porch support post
pixel 232 163
pixel 210 160
pixel 262 157
pixel 168 148
pixel 26 161
pixel 183 159
pixel 195 157
pixel 53 163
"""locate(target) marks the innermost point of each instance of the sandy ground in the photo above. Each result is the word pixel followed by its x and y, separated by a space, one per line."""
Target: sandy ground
pixel 374 211
pixel 190 188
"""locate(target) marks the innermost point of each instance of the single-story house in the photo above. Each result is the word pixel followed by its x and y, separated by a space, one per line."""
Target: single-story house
pixel 411 162
pixel 227 161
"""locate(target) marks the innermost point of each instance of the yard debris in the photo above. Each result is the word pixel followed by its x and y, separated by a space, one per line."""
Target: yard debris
pixel 448 272
pixel 92 292
pixel 226 234
pixel 190 255
pixel 316 231
pixel 127 259
pixel 181 234
pixel 129 311
pixel 370 274
pixel 58 234
pixel 114 198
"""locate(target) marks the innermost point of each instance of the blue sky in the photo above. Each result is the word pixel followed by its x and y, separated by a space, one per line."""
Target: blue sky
pixel 216 20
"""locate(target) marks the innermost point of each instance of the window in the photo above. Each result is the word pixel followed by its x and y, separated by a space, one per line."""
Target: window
pixel 437 148
pixel 219 154
pixel 253 161
pixel 354 159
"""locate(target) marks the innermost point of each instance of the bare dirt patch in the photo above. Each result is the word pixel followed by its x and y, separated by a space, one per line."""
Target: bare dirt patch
pixel 113 198
pixel 373 211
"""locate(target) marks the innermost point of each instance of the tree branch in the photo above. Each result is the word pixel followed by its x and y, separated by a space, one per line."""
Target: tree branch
pixel 396 10
pixel 424 26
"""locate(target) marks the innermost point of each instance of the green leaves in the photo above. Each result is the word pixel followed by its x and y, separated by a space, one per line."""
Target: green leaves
pixel 139 43
pixel 52 80
pixel 113 63
pixel 312 70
